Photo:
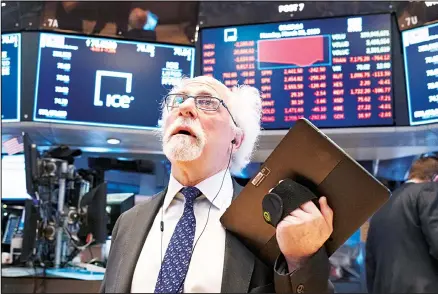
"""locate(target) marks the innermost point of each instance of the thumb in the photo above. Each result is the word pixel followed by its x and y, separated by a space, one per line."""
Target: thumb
pixel 326 211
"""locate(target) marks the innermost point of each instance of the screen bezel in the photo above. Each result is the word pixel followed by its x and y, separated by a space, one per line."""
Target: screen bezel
pixel 406 75
pixel 392 23
pixel 121 40
pixel 18 114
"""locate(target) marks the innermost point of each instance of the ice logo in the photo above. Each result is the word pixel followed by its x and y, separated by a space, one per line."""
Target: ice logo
pixel 113 100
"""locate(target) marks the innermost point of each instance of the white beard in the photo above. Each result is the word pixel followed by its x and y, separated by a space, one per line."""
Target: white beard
pixel 183 147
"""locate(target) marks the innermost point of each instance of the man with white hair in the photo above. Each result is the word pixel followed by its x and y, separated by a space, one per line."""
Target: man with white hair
pixel 175 242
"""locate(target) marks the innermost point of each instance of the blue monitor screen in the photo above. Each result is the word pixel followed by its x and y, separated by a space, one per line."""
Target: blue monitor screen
pixel 106 82
pixel 11 71
pixel 335 72
pixel 421 68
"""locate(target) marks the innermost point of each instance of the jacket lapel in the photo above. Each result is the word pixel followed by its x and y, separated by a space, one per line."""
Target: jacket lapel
pixel 238 263
pixel 135 241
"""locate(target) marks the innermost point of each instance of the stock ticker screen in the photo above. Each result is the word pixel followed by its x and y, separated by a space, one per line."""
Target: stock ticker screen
pixel 11 73
pixel 106 82
pixel 420 47
pixel 335 72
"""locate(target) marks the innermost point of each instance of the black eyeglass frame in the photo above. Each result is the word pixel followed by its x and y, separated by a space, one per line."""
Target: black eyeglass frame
pixel 221 102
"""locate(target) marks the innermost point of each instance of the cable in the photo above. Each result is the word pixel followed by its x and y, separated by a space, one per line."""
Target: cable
pixel 162 230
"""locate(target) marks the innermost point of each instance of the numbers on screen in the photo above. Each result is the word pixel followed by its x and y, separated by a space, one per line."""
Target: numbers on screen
pixel 185 52
pixel 146 48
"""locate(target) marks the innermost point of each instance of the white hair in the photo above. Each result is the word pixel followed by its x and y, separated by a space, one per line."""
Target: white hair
pixel 245 106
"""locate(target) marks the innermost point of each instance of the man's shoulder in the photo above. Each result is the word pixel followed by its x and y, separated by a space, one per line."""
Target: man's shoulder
pixel 412 191
pixel 145 204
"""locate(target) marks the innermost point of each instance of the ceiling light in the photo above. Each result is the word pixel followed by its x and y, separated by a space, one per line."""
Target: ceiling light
pixel 113 141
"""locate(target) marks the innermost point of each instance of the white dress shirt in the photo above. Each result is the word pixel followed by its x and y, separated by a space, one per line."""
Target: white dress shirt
pixel 206 267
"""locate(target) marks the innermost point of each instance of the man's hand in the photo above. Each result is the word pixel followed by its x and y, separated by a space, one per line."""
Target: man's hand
pixel 304 231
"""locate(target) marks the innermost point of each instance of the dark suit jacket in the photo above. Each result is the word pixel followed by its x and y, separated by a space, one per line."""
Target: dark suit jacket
pixel 402 245
pixel 243 272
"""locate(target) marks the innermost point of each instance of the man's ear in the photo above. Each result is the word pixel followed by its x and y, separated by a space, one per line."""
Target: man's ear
pixel 238 139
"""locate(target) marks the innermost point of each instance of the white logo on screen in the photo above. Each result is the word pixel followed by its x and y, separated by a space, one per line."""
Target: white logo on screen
pixel 230 35
pixel 354 24
pixel 113 100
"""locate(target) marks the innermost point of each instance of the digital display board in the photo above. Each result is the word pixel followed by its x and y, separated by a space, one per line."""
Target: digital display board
pixel 335 72
pixel 11 73
pixel 106 82
pixel 420 48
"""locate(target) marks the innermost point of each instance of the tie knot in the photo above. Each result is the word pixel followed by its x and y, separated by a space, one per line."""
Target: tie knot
pixel 190 193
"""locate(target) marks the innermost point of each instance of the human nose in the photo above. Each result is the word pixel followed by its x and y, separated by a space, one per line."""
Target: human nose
pixel 188 108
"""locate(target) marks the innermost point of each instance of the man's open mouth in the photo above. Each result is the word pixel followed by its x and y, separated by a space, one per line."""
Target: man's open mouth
pixel 184 131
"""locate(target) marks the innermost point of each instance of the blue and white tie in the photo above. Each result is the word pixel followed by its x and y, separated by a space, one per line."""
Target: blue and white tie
pixel 177 258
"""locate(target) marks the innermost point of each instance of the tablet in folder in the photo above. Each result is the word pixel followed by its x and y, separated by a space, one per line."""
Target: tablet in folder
pixel 309 157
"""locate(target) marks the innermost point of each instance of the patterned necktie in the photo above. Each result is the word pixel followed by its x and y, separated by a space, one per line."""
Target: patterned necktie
pixel 177 258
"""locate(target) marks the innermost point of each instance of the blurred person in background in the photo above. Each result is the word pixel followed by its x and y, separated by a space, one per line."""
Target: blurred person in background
pixel 116 12
pixel 69 15
pixel 209 132
pixel 402 244
pixel 137 20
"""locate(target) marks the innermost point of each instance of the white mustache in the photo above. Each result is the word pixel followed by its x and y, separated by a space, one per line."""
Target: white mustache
pixel 194 125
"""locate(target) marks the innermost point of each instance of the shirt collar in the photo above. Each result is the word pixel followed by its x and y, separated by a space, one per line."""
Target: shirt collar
pixel 209 188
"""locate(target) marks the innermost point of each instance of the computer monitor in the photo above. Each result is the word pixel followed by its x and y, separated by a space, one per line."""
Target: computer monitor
pixel 336 72
pixel 106 82
pixel 96 217
pixel 11 77
pixel 117 203
pixel 30 216
pixel 421 59
pixel 31 156
pixel 11 226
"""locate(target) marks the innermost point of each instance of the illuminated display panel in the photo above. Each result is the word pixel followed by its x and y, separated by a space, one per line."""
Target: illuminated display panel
pixel 336 72
pixel 11 77
pixel 106 82
pixel 420 48
pixel 13 178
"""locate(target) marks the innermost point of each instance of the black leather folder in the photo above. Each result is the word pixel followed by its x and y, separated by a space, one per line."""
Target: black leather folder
pixel 307 156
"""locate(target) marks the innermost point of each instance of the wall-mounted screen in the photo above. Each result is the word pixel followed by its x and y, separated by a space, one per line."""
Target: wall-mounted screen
pixel 13 178
pixel 106 82
pixel 335 72
pixel 420 48
pixel 11 72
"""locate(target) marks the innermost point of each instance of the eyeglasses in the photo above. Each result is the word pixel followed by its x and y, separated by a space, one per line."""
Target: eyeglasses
pixel 202 102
